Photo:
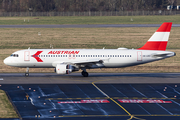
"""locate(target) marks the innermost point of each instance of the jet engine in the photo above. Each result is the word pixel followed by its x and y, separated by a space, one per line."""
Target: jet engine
pixel 63 69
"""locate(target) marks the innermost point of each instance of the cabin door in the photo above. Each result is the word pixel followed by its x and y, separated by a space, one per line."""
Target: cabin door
pixel 26 56
pixel 139 56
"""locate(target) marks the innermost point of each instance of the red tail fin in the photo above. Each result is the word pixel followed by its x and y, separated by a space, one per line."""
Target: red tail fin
pixel 159 39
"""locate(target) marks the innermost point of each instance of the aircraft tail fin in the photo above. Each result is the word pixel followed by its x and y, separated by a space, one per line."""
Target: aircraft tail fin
pixel 159 39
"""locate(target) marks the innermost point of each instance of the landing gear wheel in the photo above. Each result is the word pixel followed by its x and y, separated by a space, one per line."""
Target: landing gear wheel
pixel 85 74
pixel 82 73
pixel 26 74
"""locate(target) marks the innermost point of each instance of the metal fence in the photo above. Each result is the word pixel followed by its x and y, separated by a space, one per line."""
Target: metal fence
pixel 99 13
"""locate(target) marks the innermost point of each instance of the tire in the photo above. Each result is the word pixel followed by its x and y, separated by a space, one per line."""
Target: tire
pixel 27 74
pixel 82 73
pixel 85 74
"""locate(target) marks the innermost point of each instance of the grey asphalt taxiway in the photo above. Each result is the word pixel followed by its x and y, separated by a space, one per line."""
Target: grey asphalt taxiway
pixel 76 78
pixel 101 96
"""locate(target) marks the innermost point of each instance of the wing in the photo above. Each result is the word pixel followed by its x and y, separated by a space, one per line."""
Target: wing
pixel 83 63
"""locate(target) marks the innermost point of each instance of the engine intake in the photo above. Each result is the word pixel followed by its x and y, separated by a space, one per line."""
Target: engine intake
pixel 63 69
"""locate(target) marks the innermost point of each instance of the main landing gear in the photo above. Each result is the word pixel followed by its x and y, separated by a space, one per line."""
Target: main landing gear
pixel 84 73
pixel 27 72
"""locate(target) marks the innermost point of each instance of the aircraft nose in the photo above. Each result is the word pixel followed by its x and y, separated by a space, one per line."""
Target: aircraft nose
pixel 7 61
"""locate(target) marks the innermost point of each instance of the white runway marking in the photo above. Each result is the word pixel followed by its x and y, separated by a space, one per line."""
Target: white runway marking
pixel 1 79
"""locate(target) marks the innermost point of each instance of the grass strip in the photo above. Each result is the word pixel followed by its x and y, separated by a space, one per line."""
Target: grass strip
pixel 6 109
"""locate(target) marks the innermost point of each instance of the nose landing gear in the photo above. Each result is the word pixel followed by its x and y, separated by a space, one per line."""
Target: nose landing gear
pixel 27 72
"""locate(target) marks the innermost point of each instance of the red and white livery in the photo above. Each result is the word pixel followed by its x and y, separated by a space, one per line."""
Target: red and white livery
pixel 66 61
pixel 159 39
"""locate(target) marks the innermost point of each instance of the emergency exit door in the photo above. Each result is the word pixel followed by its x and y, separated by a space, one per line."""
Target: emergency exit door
pixel 26 56
pixel 139 56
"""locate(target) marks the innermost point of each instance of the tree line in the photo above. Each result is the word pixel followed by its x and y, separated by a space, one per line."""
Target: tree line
pixel 83 5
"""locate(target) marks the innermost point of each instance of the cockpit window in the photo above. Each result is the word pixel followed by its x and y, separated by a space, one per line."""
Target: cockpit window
pixel 15 55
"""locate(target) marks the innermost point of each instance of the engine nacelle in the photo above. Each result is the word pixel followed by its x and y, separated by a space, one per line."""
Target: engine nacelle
pixel 63 69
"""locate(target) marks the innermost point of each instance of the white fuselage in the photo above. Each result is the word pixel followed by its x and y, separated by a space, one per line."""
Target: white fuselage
pixel 111 58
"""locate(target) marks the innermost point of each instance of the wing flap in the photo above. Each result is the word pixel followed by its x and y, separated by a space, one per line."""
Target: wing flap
pixel 92 61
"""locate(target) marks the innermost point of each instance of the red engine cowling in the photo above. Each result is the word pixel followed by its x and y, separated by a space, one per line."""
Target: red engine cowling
pixel 63 69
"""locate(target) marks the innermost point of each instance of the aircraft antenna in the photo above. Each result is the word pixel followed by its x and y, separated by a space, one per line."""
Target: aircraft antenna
pixel 51 46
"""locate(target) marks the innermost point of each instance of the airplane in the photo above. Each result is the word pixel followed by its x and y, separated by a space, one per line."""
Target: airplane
pixel 66 61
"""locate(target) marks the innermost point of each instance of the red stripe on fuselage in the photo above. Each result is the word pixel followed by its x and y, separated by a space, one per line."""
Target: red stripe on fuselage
pixel 154 45
pixel 165 27
pixel 36 56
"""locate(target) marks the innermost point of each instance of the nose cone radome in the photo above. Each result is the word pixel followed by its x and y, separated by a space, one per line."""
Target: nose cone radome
pixel 8 61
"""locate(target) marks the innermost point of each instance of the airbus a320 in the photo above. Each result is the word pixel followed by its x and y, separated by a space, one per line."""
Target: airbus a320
pixel 66 61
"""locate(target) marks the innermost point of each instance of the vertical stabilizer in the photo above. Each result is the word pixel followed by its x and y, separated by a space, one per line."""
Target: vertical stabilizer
pixel 159 39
